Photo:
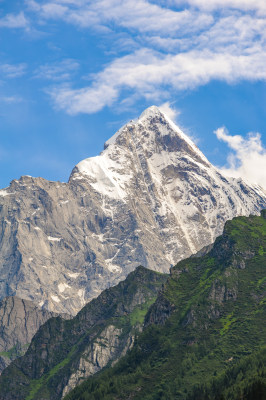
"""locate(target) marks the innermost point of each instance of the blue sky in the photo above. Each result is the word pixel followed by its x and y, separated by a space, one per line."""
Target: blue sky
pixel 73 71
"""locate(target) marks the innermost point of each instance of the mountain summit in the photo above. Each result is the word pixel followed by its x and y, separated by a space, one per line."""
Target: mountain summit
pixel 152 135
pixel 150 198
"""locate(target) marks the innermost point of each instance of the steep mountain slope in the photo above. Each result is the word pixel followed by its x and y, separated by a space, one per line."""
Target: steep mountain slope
pixel 19 321
pixel 151 198
pixel 205 336
pixel 63 353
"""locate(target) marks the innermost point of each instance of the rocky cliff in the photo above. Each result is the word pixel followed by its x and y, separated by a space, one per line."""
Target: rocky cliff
pixel 205 335
pixel 64 353
pixel 19 321
pixel 151 198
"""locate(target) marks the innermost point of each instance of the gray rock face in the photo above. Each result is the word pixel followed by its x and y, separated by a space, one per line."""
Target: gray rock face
pixel 63 353
pixel 151 198
pixel 110 346
pixel 19 321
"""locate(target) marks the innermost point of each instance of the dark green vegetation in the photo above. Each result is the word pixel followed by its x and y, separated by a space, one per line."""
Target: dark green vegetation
pixel 205 335
pixel 101 332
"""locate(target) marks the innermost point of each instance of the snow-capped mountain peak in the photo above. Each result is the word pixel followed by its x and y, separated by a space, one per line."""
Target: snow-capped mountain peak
pixel 152 161
pixel 153 134
pixel 150 198
pixel 159 124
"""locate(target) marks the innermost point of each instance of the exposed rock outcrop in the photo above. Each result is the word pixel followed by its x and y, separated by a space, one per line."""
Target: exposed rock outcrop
pixel 211 345
pixel 63 353
pixel 19 321
pixel 151 198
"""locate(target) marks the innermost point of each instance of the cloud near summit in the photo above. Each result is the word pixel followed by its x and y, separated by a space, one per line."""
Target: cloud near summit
pixel 155 48
pixel 158 49
pixel 247 158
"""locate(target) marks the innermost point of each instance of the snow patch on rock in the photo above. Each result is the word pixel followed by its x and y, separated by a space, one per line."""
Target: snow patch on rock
pixel 54 239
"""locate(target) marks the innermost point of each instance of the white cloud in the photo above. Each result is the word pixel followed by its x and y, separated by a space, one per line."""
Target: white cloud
pixel 60 71
pixel 168 49
pixel 173 113
pixel 139 15
pixel 86 100
pixel 153 75
pixel 14 21
pixel 170 111
pixel 244 5
pixel 248 159
pixel 13 70
pixel 33 5
pixel 52 10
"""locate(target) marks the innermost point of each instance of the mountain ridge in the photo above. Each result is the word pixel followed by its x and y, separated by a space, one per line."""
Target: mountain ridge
pixel 150 199
pixel 205 334
pixel 63 353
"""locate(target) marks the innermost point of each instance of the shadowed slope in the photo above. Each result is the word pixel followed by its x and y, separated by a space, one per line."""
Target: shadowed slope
pixel 63 353
pixel 205 335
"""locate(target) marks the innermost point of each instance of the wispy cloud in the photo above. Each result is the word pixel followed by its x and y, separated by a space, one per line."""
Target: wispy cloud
pixel 12 70
pixel 257 5
pixel 139 15
pixel 173 113
pixel 60 71
pixel 14 21
pixel 10 99
pixel 86 100
pixel 173 49
pixel 248 159
pixel 170 111
pixel 153 75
